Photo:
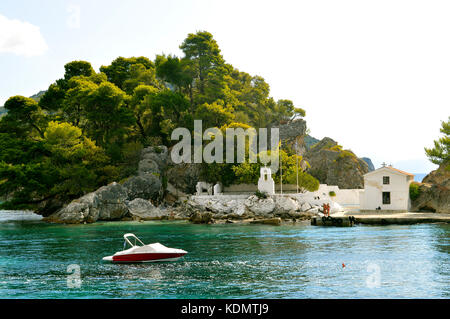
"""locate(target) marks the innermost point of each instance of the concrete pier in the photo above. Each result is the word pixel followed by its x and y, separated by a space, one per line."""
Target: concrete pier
pixel 393 218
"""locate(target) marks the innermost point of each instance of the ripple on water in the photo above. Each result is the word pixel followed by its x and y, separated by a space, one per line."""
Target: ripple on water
pixel 226 261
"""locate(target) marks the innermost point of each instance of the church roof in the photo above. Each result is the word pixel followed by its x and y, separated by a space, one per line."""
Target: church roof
pixel 391 168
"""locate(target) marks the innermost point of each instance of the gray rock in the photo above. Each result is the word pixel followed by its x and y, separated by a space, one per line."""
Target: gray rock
pixel 143 186
pixel 333 166
pixel 434 192
pixel 111 202
pixel 144 209
pixel 263 206
pixel 201 218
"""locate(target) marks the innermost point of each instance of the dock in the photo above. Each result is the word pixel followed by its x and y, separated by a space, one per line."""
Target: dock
pixel 382 218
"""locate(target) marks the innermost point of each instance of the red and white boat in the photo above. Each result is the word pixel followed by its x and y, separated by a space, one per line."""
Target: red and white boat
pixel 141 253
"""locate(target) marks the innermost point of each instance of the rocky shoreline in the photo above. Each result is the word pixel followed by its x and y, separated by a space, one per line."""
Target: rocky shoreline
pixel 149 195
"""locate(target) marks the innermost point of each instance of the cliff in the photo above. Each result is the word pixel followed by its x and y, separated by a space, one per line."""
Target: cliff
pixel 434 192
pixel 332 165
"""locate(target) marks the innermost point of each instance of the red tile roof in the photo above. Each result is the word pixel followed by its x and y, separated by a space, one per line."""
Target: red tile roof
pixel 400 171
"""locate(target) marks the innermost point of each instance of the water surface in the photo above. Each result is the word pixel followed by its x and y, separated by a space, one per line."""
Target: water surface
pixel 225 261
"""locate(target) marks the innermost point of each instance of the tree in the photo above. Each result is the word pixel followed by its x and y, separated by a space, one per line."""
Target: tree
pixel 203 50
pixel 53 98
pixel 107 115
pixel 124 71
pixel 439 154
pixel 141 109
pixel 169 110
pixel 24 116
pixel 78 68
pixel 215 114
pixel 76 99
pixel 63 164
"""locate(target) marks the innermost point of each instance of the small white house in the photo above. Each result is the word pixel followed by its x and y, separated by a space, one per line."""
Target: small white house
pixel 386 188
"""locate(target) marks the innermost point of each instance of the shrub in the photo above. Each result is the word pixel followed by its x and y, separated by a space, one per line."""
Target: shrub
pixel 414 191
pixel 261 195
pixel 332 194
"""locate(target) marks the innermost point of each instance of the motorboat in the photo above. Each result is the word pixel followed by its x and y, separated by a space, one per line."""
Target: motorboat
pixel 142 253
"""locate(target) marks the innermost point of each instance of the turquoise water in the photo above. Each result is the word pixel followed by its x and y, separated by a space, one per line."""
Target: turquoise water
pixel 225 261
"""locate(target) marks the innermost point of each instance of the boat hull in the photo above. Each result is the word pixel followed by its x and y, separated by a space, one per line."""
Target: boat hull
pixel 144 257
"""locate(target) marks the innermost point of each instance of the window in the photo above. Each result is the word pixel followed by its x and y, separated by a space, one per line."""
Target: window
pixel 386 180
pixel 386 198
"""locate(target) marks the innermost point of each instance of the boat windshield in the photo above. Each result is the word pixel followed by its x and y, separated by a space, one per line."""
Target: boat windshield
pixel 132 240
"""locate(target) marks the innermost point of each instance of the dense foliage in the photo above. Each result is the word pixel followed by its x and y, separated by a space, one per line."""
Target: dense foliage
pixel 88 127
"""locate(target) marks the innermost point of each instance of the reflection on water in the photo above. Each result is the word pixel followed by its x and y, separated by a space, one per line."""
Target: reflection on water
pixel 226 261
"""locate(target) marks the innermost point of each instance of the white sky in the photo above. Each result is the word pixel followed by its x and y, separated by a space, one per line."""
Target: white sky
pixel 373 75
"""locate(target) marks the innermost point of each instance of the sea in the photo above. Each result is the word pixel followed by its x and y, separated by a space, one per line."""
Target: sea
pixel 42 260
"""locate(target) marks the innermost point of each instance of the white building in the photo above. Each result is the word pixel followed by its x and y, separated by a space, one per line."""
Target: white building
pixel 386 188
pixel 266 183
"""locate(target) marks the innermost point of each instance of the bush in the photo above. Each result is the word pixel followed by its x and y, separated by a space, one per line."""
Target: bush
pixel 261 195
pixel 414 191
pixel 332 194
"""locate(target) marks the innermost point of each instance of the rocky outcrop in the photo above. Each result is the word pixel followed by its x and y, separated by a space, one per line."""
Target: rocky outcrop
pixel 141 209
pixel 293 132
pixel 107 203
pixel 116 201
pixel 434 192
pixel 332 165
pixel 184 176
pixel 240 207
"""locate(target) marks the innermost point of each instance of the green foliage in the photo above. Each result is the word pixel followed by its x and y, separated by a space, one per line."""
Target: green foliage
pixel 332 194
pixel 440 153
pixel 63 164
pixel 249 173
pixel 88 128
pixel 261 195
pixel 24 117
pixel 414 191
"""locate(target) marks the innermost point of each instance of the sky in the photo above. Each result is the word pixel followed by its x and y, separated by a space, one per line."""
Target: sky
pixel 372 75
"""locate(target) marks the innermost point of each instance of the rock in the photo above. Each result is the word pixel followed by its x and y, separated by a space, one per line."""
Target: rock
pixel 78 211
pixel 284 205
pixel 184 176
pixel 333 166
pixel 434 192
pixel 201 218
pixel 143 186
pixel 263 206
pixel 47 207
pixel 440 176
pixel 292 132
pixel 304 207
pixel 111 202
pixel 144 210
pixel 107 203
pixel 267 221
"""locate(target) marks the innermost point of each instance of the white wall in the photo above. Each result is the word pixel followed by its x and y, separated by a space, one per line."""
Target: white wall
pixel 398 186
pixel 345 197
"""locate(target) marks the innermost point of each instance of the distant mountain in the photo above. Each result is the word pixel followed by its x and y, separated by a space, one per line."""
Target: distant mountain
pixel 38 96
pixel 310 141
pixel 369 162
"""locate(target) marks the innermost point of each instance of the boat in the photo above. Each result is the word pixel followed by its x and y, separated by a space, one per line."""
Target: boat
pixel 142 253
